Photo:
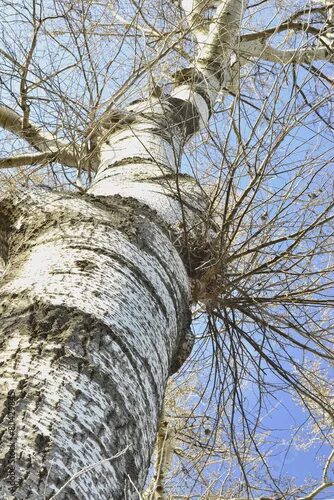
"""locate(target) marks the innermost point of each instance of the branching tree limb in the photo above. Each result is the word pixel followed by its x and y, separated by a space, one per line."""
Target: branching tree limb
pixel 43 141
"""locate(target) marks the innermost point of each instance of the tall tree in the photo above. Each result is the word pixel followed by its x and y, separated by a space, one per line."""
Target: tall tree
pixel 102 267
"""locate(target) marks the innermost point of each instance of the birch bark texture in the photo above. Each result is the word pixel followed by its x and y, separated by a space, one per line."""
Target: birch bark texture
pixel 94 301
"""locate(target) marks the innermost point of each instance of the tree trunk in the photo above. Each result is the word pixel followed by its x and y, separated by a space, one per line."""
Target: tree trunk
pixel 95 310
pixel 94 303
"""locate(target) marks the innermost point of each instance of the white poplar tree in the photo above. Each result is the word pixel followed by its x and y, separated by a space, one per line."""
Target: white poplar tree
pixel 102 102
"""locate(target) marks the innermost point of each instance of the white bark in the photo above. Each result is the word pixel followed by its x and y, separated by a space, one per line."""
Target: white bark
pixel 259 49
pixel 39 139
pixel 142 161
pixel 94 303
pixel 216 46
pixel 27 159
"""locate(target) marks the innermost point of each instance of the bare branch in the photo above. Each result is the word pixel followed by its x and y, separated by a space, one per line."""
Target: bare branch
pixel 316 491
pixel 28 159
pixel 43 141
pixel 288 25
pixel 259 49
